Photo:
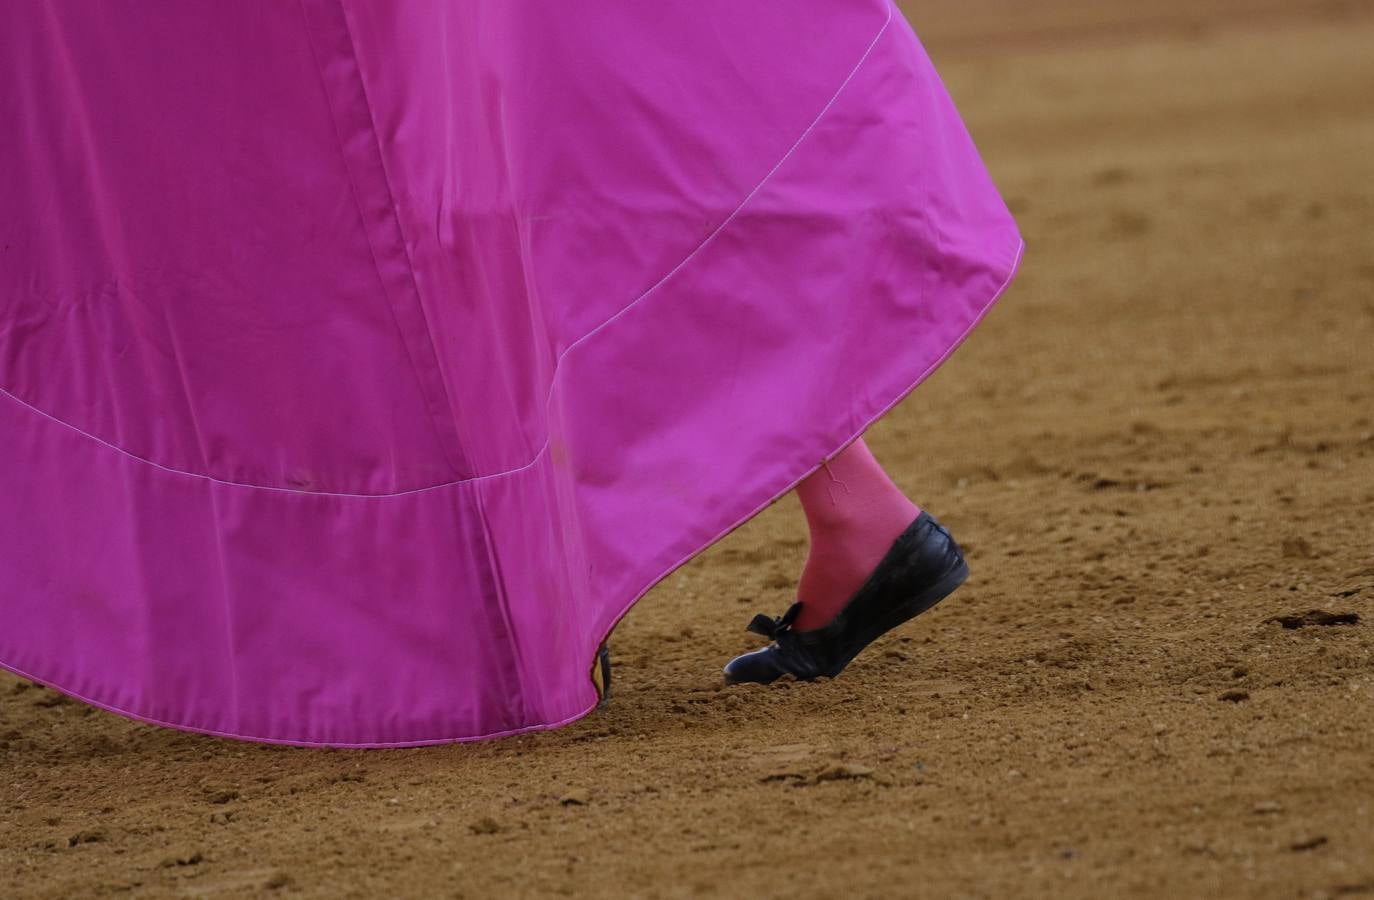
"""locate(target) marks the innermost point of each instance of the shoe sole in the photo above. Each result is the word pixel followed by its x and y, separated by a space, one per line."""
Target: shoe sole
pixel 923 601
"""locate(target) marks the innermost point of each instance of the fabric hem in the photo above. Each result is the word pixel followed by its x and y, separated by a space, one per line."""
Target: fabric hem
pixel 771 497
pixel 1012 269
pixel 283 742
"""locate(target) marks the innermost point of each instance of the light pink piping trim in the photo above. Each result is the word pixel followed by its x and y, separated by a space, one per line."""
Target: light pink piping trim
pixel 987 307
pixel 383 745
pixel 557 364
pixel 637 597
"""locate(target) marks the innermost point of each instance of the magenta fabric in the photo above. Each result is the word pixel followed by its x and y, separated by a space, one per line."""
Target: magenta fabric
pixel 361 362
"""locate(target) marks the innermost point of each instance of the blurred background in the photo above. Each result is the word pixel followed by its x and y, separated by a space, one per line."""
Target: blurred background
pixel 1159 450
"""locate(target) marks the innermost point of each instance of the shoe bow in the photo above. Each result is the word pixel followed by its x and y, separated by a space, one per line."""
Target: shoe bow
pixel 773 628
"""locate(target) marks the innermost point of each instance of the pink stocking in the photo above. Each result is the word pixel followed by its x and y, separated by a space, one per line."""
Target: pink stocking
pixel 854 512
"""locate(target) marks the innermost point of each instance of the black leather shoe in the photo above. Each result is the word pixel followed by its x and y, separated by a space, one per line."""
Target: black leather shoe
pixel 923 567
pixel 601 675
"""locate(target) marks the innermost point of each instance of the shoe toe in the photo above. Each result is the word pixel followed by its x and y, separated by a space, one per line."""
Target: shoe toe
pixel 759 667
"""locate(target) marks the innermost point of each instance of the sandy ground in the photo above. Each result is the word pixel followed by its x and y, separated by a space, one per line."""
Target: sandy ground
pixel 1160 441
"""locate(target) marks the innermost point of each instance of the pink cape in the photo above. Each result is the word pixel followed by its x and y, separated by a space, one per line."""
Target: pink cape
pixel 361 363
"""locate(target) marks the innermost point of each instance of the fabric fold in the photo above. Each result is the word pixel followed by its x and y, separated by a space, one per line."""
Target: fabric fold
pixel 483 319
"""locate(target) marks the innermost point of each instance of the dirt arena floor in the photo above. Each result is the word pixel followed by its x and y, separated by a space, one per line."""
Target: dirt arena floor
pixel 1160 452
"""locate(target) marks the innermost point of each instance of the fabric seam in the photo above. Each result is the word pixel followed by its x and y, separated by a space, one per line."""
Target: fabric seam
pixel 1013 266
pixel 444 434
pixel 558 364
pixel 372 254
pixel 649 585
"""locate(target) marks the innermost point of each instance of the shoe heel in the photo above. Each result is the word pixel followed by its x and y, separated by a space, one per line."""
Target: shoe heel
pixel 601 676
pixel 932 595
